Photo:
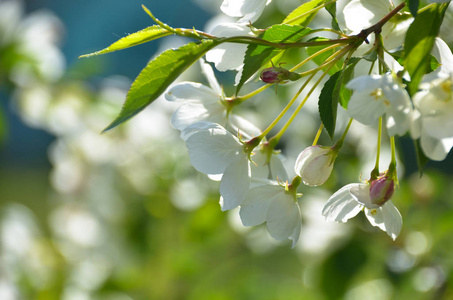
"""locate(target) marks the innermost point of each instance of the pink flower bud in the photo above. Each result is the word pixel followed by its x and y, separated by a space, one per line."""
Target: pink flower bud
pixel 381 190
pixel 277 75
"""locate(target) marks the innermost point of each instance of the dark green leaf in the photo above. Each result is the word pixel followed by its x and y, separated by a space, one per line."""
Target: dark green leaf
pixel 334 92
pixel 328 102
pixel 332 9
pixel 158 75
pixel 422 160
pixel 304 13
pixel 419 42
pixel 320 59
pixel 413 6
pixel 346 76
pixel 256 55
pixel 133 39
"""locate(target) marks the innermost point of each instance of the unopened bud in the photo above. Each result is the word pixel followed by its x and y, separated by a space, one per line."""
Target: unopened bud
pixel 315 164
pixel 277 75
pixel 381 190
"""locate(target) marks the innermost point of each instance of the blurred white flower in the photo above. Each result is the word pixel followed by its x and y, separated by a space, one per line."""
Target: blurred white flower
pixel 433 117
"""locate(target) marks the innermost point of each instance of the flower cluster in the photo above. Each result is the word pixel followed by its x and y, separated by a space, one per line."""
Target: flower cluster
pixel 372 80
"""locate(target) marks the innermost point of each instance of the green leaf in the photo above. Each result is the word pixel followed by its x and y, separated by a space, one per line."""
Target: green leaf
pixel 346 76
pixel 334 92
pixel 328 100
pixel 332 9
pixel 256 55
pixel 133 39
pixel 158 75
pixel 422 160
pixel 304 13
pixel 320 59
pixel 419 43
pixel 413 6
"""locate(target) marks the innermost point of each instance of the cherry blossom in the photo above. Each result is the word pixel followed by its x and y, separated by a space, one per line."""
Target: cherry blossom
pixel 376 95
pixel 348 201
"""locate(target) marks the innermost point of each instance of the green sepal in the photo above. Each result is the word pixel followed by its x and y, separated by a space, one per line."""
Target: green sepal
pixel 154 79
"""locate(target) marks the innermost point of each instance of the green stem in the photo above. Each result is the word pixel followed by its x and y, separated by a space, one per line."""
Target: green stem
pixel 283 112
pixel 339 143
pixel 257 41
pixel 240 99
pixel 299 107
pixel 318 134
pixel 375 172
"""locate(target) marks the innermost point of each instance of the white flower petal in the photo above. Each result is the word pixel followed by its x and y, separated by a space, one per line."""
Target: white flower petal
pixel 387 218
pixel 365 83
pixel 360 14
pixel 243 126
pixel 212 150
pixel 188 114
pixel 341 206
pixel 444 56
pixel 256 204
pixel 364 108
pixel 195 127
pixel 250 10
pixel 361 192
pixel 235 183
pixel 191 91
pixel 209 74
pixel 283 218
pixel 434 148
pixel 228 56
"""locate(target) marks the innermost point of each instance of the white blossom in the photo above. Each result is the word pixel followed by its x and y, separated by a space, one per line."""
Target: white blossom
pixel 348 201
pixel 376 95
pixel 213 150
pixel 203 103
pixel 277 207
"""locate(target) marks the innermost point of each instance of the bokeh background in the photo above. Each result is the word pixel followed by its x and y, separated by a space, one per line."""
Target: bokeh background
pixel 122 215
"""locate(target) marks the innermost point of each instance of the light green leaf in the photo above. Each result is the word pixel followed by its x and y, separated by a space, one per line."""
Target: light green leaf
pixel 256 55
pixel 419 43
pixel 154 79
pixel 133 39
pixel 304 13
